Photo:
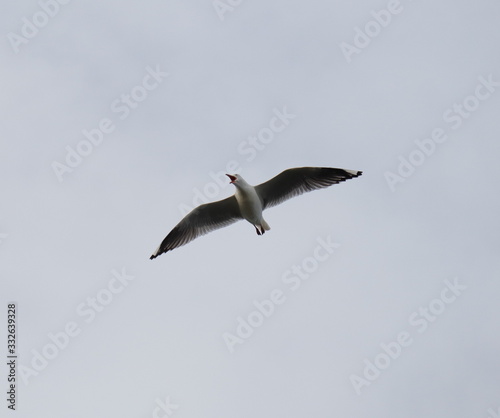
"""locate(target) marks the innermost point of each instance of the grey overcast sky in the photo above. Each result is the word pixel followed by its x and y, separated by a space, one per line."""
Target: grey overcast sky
pixel 377 297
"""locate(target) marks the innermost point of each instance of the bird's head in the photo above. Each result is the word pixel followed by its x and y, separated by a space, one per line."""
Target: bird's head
pixel 237 180
pixel 233 178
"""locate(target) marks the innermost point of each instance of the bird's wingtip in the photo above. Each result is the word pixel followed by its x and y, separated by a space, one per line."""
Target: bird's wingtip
pixel 354 173
pixel 155 254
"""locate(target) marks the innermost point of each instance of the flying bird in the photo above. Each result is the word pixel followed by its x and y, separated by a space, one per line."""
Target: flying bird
pixel 249 201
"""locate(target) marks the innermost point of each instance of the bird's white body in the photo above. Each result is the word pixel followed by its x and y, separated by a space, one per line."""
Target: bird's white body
pixel 250 204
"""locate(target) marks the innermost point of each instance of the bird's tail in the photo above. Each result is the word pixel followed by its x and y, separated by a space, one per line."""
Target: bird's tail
pixel 262 227
pixel 265 225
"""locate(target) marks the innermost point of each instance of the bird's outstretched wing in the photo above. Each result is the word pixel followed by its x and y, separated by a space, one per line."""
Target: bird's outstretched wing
pixel 200 221
pixel 295 181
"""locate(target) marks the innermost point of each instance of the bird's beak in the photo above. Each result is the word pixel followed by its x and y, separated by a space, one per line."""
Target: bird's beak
pixel 232 178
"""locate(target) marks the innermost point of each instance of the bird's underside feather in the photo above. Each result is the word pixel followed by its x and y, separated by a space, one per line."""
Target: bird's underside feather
pixel 296 181
pixel 200 221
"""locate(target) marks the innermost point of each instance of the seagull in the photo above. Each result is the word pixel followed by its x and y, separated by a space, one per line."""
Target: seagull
pixel 249 201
